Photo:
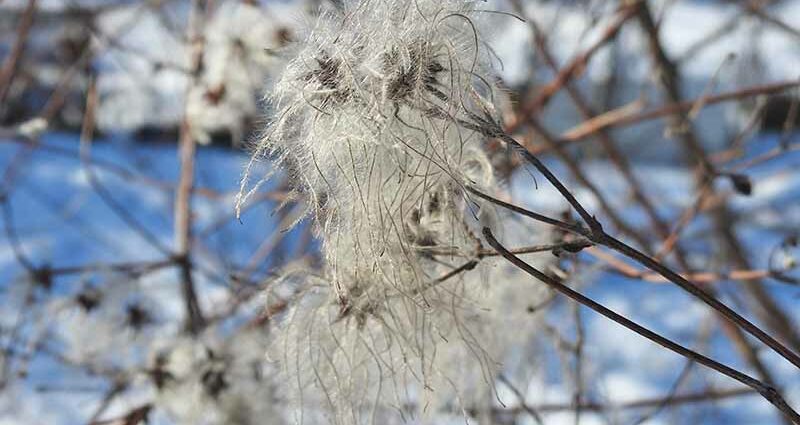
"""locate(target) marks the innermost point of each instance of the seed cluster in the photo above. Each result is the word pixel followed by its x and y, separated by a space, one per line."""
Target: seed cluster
pixel 375 121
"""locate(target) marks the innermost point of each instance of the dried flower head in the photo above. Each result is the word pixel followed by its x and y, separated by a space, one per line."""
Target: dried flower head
pixel 214 380
pixel 380 122
pixel 368 123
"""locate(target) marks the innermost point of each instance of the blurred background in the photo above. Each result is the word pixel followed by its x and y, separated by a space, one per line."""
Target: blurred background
pixel 131 292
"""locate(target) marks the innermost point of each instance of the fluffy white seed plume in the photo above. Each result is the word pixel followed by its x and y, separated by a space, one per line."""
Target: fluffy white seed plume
pixel 215 381
pixel 367 121
pixel 379 121
pixel 406 364
pixel 234 64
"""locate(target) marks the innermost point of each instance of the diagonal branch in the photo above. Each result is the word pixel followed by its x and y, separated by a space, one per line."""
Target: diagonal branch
pixel 768 392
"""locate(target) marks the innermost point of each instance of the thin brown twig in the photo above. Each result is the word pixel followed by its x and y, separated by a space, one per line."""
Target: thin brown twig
pixel 766 307
pixel 571 246
pixel 572 70
pixel 755 7
pixel 86 139
pixel 609 146
pixel 766 391
pixel 131 176
pixel 183 195
pixel 580 176
pixel 530 410
pixel 628 114
pixel 770 155
pixel 676 400
pixel 59 94
pixel 671 394
pixel 11 64
pixel 708 40
pixel 134 267
pixel 597 235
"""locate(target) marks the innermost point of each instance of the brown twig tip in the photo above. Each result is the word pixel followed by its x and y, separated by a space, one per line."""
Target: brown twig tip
pixel 768 392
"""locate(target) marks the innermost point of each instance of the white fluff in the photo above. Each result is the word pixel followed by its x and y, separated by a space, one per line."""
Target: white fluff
pixel 377 122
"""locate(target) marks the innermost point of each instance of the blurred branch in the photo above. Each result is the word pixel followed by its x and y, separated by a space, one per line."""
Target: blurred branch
pixel 671 394
pixel 597 235
pixel 136 416
pixel 755 7
pixel 767 308
pixel 571 71
pixel 9 68
pixel 629 114
pixel 768 392
pixel 670 400
pixel 128 175
pixel 87 133
pixel 530 410
pixel 183 196
pixel 628 271
pixel 609 145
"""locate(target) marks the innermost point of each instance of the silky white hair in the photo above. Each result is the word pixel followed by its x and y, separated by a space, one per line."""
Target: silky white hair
pixel 376 121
